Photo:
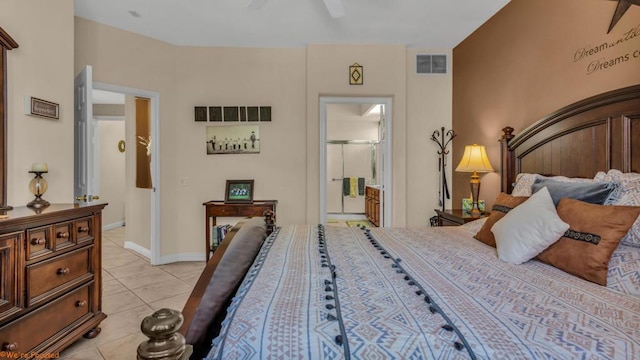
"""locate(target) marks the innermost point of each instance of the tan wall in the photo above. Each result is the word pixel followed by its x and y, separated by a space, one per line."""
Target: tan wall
pixel 290 80
pixel 428 109
pixel 42 67
pixel 519 66
pixel 112 170
pixel 346 122
pixel 137 200
pixel 384 75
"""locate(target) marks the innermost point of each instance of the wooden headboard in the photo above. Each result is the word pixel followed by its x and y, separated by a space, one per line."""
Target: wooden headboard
pixel 595 134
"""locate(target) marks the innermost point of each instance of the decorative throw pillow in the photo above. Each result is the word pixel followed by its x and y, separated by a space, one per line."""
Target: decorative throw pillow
pixel 501 206
pixel 227 276
pixel 624 270
pixel 594 233
pixel 528 229
pixel 628 194
pixel 472 227
pixel 591 192
pixel 524 182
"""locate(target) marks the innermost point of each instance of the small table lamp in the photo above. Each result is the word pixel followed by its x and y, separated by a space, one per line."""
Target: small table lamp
pixel 38 186
pixel 474 160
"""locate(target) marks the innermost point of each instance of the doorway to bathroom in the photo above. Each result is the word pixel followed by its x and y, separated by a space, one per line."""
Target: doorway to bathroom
pixel 355 159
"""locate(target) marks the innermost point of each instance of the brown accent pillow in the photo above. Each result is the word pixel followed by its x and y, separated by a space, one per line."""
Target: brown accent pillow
pixel 501 206
pixel 593 235
pixel 226 278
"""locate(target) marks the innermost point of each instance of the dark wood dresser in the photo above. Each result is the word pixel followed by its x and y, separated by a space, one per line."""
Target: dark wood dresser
pixel 50 278
pixel 372 204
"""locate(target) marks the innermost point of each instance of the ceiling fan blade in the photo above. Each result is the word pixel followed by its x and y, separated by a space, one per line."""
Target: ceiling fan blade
pixel 256 4
pixel 336 8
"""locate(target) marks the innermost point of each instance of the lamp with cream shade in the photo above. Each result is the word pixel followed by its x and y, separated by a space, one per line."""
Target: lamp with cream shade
pixel 474 160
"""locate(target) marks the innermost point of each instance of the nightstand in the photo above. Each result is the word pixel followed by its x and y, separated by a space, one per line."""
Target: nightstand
pixel 456 217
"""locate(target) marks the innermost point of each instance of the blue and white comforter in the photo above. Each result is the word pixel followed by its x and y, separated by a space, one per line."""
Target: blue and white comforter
pixel 435 293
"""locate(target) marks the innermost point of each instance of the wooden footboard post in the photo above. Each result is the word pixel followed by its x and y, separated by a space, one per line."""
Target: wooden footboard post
pixel 506 161
pixel 165 343
pixel 270 221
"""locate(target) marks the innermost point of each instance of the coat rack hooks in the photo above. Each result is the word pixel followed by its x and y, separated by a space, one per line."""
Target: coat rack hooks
pixel 443 139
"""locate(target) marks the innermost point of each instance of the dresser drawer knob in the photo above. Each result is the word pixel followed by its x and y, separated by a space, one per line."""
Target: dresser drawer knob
pixel 83 229
pixel 63 271
pixel 10 346
pixel 81 303
pixel 63 235
pixel 38 241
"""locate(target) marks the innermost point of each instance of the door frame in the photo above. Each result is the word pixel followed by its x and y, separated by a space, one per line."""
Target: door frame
pixel 155 241
pixel 386 140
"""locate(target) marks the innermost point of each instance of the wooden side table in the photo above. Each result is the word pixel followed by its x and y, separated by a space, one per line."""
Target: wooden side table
pixel 217 208
pixel 456 217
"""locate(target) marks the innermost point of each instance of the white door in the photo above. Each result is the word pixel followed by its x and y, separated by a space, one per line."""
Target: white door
pixel 334 179
pixel 84 188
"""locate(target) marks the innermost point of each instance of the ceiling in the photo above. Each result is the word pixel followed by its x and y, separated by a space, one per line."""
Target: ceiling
pixel 295 23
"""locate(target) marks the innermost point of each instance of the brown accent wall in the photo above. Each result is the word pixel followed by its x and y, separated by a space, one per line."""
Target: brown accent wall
pixel 525 63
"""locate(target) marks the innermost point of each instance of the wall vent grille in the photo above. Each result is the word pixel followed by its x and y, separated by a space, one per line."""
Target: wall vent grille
pixel 431 64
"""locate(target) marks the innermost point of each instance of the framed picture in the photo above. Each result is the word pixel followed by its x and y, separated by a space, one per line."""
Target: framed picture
pixel 233 139
pixel 42 108
pixel 239 191
pixel 200 113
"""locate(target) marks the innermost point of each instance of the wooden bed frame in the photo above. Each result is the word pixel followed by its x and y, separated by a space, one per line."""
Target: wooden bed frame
pixel 166 328
pixel 595 134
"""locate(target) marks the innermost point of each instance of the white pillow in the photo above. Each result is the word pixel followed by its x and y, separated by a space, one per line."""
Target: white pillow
pixel 528 229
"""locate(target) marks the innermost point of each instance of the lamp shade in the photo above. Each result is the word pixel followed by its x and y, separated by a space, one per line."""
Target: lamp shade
pixel 474 159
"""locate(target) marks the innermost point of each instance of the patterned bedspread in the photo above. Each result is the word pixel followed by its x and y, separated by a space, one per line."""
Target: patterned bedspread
pixel 435 293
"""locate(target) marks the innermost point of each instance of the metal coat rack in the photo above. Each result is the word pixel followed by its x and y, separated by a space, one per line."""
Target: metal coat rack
pixel 443 139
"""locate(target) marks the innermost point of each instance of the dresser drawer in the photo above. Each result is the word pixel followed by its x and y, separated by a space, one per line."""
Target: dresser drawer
pixel 38 242
pixel 84 229
pixel 61 271
pixel 10 279
pixel 63 235
pixel 36 327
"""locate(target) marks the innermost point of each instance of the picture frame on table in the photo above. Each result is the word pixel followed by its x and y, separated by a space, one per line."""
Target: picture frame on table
pixel 238 191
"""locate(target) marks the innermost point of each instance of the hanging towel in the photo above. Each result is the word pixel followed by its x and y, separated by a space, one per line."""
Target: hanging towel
pixel 353 187
pixel 361 186
pixel 346 187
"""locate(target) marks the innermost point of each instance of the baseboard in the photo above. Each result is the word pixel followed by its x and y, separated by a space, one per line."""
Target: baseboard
pixel 137 248
pixel 114 225
pixel 182 257
pixel 168 259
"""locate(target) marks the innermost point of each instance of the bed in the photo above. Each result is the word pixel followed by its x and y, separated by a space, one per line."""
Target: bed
pixel 322 292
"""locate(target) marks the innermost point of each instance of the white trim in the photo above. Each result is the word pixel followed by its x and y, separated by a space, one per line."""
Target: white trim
pixel 109 117
pixel 387 142
pixel 137 248
pixel 154 96
pixel 168 259
pixel 112 226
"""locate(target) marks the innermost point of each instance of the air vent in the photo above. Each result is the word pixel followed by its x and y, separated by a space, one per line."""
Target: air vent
pixel 431 64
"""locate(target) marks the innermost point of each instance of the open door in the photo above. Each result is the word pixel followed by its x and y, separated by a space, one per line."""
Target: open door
pixel 84 188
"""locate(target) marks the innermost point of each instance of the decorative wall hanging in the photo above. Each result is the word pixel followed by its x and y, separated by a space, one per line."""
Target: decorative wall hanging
pixel 356 74
pixel 238 139
pixel 200 113
pixel 232 113
pixel 39 107
pixel 443 141
pixel 621 9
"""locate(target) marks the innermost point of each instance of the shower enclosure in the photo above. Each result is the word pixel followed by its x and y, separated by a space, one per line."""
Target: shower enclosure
pixel 347 159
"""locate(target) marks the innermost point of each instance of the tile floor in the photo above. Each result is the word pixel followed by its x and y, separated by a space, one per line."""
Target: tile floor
pixel 132 289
